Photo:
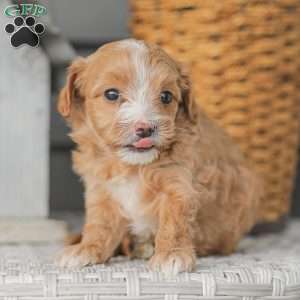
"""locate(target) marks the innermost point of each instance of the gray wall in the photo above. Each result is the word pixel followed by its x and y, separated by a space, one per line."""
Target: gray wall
pixel 92 20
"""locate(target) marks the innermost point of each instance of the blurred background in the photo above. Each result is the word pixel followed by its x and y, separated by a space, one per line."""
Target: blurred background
pixel 86 28
pixel 79 27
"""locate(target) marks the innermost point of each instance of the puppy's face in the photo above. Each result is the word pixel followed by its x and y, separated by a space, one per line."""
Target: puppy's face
pixel 130 95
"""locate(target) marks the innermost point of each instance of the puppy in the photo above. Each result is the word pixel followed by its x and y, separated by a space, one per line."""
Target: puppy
pixel 153 164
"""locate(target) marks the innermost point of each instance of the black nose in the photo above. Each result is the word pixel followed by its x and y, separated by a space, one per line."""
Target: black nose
pixel 144 132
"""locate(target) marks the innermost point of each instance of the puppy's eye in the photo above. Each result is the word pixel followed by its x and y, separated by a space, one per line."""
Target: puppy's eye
pixel 166 97
pixel 112 94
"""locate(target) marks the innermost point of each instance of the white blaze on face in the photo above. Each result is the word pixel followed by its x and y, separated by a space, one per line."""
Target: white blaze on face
pixel 139 95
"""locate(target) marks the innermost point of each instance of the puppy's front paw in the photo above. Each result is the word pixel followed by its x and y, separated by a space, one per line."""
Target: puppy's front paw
pixel 80 255
pixel 173 262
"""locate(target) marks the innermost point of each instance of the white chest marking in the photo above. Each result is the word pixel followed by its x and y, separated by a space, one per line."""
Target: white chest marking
pixel 127 192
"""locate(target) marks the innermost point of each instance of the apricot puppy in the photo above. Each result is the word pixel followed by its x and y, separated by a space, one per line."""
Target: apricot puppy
pixel 152 163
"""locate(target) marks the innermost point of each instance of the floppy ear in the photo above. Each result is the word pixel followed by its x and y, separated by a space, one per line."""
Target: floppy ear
pixel 69 94
pixel 188 101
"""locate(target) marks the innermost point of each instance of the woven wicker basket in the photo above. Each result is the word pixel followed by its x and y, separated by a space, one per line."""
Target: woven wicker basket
pixel 245 61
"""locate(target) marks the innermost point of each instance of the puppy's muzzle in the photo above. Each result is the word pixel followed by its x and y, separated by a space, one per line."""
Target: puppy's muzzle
pixel 144 133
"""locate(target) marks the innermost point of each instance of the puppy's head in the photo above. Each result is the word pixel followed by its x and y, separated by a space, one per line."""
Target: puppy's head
pixel 131 95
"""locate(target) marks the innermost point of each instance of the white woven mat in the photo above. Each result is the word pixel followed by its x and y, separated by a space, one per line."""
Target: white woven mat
pixel 264 268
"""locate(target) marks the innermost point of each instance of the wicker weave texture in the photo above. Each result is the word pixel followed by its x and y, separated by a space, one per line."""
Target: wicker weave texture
pixel 266 268
pixel 244 58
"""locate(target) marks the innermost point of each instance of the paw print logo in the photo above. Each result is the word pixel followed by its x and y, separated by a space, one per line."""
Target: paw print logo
pixel 25 32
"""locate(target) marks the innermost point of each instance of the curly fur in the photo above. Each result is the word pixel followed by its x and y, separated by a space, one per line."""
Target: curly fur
pixel 195 196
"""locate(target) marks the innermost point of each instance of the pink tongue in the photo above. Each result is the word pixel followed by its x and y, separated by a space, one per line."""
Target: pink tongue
pixel 143 143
